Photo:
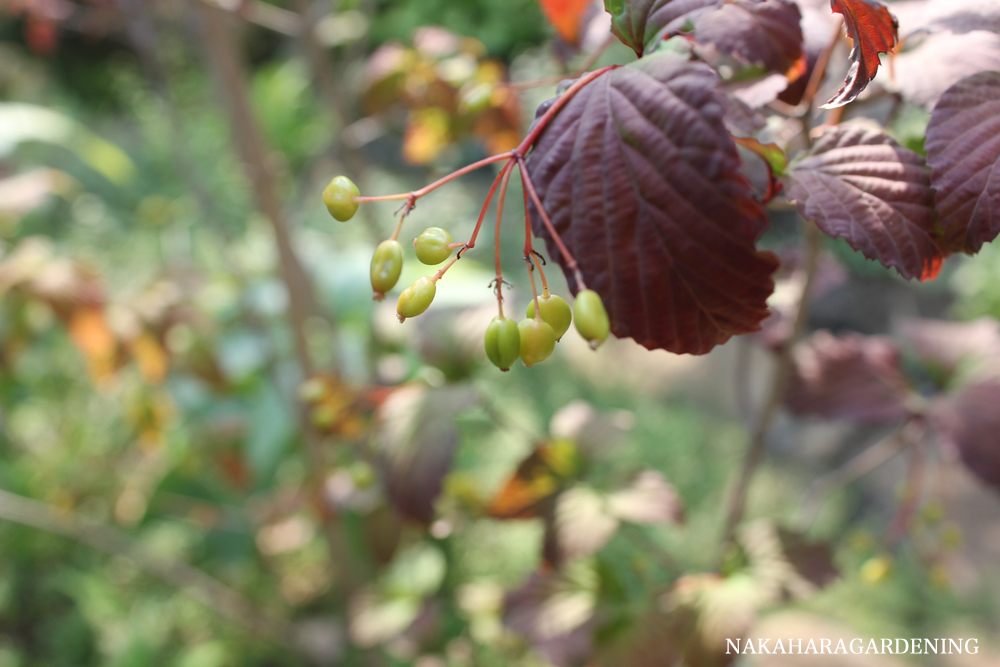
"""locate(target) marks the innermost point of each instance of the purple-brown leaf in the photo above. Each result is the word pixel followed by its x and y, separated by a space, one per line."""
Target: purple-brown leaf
pixel 860 185
pixel 963 149
pixel 640 23
pixel 851 377
pixel 765 32
pixel 874 30
pixel 970 423
pixel 642 181
pixel 415 442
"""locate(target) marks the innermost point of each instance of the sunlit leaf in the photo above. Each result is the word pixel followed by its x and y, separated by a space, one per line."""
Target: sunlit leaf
pixel 583 523
pixel 860 185
pixel 553 610
pixel 956 16
pixel 649 500
pixel 922 74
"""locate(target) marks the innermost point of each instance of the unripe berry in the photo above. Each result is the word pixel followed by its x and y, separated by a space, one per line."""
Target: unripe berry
pixel 432 246
pixel 339 198
pixel 537 341
pixel 503 342
pixel 387 264
pixel 555 311
pixel 416 298
pixel 591 318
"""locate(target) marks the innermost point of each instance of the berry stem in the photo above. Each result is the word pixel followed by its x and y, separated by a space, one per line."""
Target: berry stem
pixel 545 283
pixel 440 274
pixel 501 177
pixel 567 255
pixel 507 171
pixel 534 290
pixel 412 197
pixel 407 207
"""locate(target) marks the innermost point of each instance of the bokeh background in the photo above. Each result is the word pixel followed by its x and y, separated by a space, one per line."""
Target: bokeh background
pixel 216 450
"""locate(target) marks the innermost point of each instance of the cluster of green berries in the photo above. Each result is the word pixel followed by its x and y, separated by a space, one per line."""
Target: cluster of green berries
pixel 535 338
pixel 532 340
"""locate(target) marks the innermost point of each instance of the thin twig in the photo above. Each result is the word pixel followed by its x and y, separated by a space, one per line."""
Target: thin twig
pixel 912 496
pixel 857 467
pixel 779 383
pixel 231 78
pixel 206 589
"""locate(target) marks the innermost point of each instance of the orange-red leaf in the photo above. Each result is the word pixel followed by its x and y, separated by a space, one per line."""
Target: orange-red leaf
pixel 566 16
pixel 538 479
pixel 874 30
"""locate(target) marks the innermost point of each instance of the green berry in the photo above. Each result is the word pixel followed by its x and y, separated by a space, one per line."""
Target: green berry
pixel 537 341
pixel 591 318
pixel 339 198
pixel 387 264
pixel 432 246
pixel 416 298
pixel 503 342
pixel 555 311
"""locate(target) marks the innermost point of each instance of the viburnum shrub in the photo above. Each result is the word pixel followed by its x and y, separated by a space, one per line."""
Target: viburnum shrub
pixel 633 179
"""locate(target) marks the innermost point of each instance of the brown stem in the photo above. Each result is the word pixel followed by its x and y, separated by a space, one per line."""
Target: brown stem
pixel 857 467
pixel 206 589
pixel 912 495
pixel 819 72
pixel 231 79
pixel 779 382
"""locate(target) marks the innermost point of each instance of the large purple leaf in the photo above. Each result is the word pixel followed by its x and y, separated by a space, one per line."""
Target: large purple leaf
pixel 766 32
pixel 849 377
pixel 860 185
pixel 642 181
pixel 874 30
pixel 963 149
pixel 970 423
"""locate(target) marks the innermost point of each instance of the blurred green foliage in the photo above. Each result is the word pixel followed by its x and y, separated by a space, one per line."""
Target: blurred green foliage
pixel 186 435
